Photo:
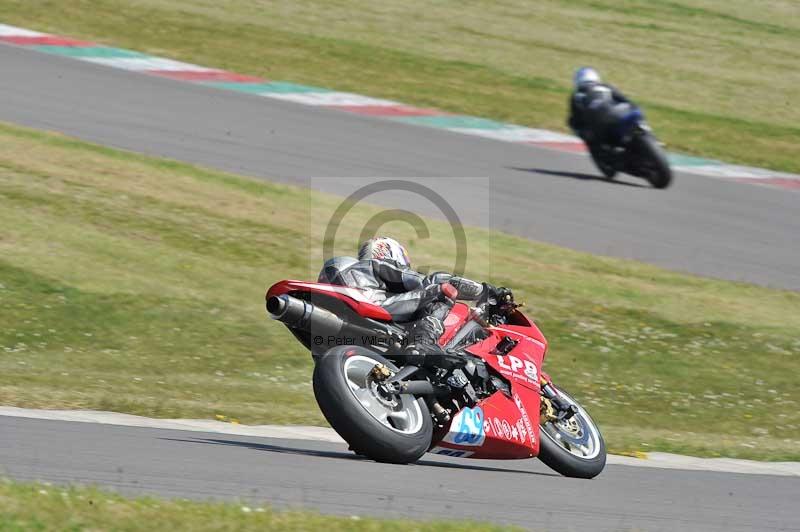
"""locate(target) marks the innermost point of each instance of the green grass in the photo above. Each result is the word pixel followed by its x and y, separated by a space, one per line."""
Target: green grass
pixel 31 506
pixel 717 77
pixel 136 284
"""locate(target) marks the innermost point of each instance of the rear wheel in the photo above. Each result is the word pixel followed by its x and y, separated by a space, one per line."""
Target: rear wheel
pixel 653 162
pixel 574 447
pixel 386 428
pixel 606 167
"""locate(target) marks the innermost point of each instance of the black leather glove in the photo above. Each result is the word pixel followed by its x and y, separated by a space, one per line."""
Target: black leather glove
pixel 487 294
pixel 504 296
pixel 495 295
pixel 499 301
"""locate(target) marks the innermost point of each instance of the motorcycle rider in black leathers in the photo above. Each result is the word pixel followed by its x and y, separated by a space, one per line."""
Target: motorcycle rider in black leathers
pixel 383 271
pixel 595 107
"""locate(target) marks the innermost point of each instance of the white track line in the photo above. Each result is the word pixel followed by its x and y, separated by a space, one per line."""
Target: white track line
pixel 197 425
pixel 329 98
pixel 13 31
pixel 317 96
pixel 293 432
pixel 146 63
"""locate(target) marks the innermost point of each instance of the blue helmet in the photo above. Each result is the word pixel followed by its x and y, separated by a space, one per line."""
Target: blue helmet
pixel 585 76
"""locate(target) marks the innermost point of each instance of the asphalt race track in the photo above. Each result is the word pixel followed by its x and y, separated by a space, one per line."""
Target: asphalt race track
pixel 700 225
pixel 325 476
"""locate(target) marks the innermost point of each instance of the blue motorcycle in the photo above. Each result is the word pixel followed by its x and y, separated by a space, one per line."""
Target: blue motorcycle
pixel 629 146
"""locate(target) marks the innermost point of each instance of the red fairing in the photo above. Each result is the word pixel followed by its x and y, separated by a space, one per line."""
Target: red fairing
pixel 353 297
pixel 522 365
pixel 520 322
pixel 459 315
pixel 498 427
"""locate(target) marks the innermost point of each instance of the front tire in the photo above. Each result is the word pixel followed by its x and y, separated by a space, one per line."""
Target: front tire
pixel 656 165
pixel 395 429
pixel 575 447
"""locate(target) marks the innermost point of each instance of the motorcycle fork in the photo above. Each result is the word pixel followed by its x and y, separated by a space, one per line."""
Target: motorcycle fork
pixel 554 408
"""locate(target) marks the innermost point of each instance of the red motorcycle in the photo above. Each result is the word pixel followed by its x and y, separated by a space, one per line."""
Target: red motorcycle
pixel 486 397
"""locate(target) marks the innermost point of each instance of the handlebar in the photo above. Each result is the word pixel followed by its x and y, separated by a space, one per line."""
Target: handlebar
pixel 492 312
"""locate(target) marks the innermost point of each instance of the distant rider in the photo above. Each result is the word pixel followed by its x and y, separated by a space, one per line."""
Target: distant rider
pixel 595 107
pixel 383 270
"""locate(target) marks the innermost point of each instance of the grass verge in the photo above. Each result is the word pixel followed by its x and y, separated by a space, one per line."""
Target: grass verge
pixel 717 77
pixel 135 284
pixel 31 506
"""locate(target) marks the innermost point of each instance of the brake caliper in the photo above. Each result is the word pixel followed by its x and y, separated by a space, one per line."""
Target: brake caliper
pixel 554 407
pixel 380 373
pixel 547 410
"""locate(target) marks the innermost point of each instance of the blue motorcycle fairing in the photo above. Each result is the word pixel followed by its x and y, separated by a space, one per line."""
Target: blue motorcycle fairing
pixel 630 120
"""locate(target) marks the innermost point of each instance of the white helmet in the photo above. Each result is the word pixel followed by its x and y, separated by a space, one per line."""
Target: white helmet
pixel 384 248
pixel 585 76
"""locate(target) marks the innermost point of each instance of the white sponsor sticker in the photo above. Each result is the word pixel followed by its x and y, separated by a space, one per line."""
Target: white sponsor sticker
pixel 519 367
pixel 498 427
pixel 525 419
pixel 467 428
pixel 507 429
pixel 521 430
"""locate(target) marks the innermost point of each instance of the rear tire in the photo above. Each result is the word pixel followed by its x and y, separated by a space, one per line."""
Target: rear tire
pixel 570 464
pixel 608 170
pixel 380 441
pixel 659 173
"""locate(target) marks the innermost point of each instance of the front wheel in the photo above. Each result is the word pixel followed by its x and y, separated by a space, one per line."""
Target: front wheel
pixel 385 428
pixel 653 162
pixel 574 447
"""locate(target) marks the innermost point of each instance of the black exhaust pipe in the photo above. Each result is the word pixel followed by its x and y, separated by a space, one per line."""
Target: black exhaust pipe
pixel 318 321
